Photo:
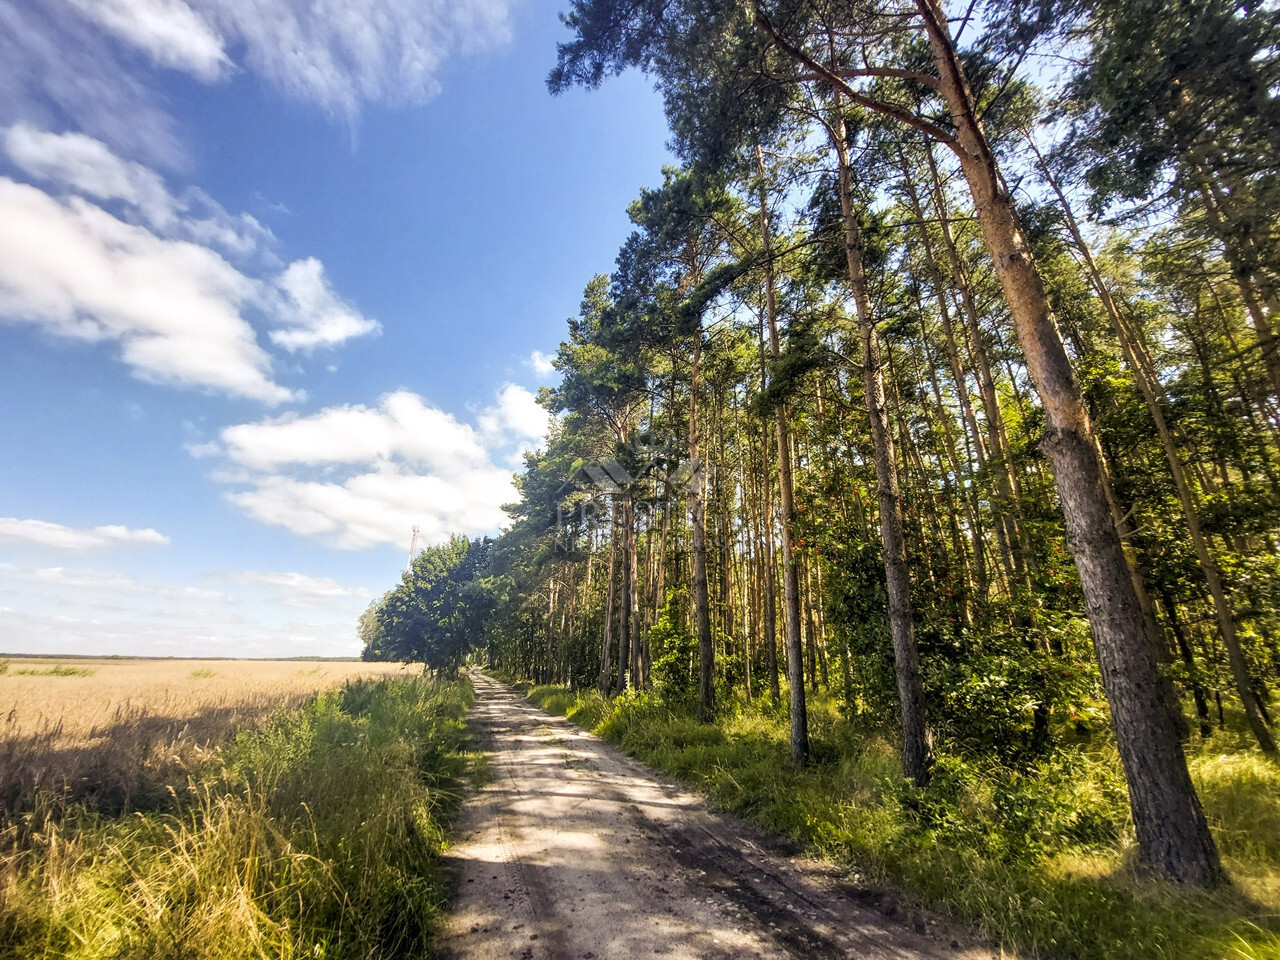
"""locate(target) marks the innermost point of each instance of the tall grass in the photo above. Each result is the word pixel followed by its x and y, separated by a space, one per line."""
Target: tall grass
pixel 316 837
pixel 1039 859
pixel 136 731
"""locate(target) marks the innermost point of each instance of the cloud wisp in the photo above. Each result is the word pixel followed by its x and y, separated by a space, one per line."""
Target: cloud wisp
pixel 300 591
pixel 68 609
pixel 100 63
pixel 357 476
pixel 42 533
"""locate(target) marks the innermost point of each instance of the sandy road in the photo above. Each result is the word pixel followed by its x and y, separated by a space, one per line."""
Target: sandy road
pixel 575 851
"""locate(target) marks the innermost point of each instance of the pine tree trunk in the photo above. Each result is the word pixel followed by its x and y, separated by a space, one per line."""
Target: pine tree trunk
pixel 633 601
pixel 917 746
pixel 1173 835
pixel 787 512
pixel 697 509
pixel 1152 394
pixel 606 646
pixel 769 573
pixel 1011 532
pixel 624 626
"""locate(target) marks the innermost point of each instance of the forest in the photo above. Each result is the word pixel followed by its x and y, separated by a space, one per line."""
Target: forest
pixel 933 400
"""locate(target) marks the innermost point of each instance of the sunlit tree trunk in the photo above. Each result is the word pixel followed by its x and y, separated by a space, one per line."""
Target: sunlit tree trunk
pixel 1133 351
pixel 1173 835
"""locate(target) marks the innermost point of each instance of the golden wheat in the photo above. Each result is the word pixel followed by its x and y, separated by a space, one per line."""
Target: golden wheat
pixel 115 730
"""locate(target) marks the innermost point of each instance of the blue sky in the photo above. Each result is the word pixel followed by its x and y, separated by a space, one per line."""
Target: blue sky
pixel 277 279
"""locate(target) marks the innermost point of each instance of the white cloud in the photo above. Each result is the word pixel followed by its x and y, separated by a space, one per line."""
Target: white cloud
pixel 402 427
pixel 168 31
pixel 85 164
pixel 313 315
pixel 73 59
pixel 356 476
pixel 57 66
pixel 541 363
pixel 74 162
pixel 162 288
pixel 69 610
pixel 174 307
pixel 300 591
pixel 339 55
pixel 113 585
pixel 382 506
pixel 45 534
pixel 517 415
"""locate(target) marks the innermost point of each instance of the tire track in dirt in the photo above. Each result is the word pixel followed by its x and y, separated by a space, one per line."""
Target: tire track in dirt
pixel 576 851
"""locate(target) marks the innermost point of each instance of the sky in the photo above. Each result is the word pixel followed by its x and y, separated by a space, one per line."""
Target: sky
pixel 279 280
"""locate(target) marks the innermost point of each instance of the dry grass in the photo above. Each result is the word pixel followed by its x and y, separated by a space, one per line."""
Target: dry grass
pixel 118 733
pixel 316 835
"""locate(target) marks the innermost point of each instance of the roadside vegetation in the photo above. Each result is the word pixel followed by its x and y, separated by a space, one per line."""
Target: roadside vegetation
pixel 1038 858
pixel 315 835
pixel 119 733
pixel 913 482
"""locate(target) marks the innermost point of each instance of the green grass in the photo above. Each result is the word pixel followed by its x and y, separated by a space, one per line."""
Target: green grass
pixel 317 837
pixel 60 670
pixel 1039 860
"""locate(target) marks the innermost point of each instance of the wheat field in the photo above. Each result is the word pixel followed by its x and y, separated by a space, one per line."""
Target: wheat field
pixel 116 730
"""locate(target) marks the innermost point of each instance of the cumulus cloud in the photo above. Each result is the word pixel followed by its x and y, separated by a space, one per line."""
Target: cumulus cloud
pixel 173 307
pixel 402 427
pixel 356 476
pixel 541 363
pixel 312 313
pixel 46 534
pixel 83 163
pixel 155 279
pixel 79 164
pixel 517 415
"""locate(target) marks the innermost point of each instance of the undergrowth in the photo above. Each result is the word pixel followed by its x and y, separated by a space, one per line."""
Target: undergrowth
pixel 1039 859
pixel 317 837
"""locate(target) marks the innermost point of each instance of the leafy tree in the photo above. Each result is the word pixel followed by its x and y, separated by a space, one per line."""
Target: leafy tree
pixel 435 615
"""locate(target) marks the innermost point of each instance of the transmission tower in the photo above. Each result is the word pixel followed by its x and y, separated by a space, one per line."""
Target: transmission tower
pixel 413 549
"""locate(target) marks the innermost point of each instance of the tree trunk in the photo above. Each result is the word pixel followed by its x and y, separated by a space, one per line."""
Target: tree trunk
pixel 1134 354
pixel 624 625
pixel 769 573
pixel 787 511
pixel 917 745
pixel 633 602
pixel 697 509
pixel 1172 833
pixel 606 647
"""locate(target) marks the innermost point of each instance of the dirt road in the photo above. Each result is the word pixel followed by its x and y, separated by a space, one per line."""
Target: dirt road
pixel 575 851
